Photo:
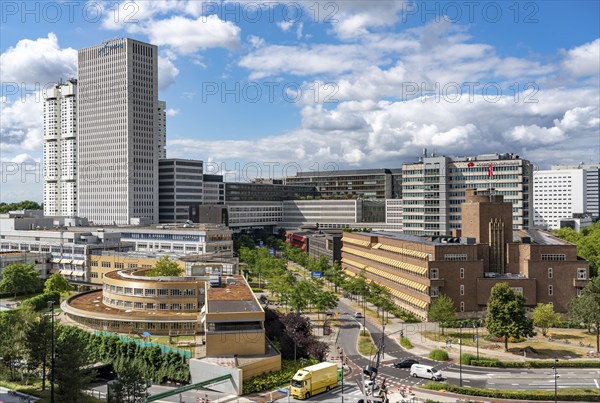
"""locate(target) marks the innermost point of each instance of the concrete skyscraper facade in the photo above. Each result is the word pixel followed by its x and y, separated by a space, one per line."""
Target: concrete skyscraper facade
pixel 118 126
pixel 60 149
pixel 161 134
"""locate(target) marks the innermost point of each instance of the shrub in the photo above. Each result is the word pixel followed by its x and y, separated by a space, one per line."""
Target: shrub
pixel 516 339
pixel 439 355
pixel 273 380
pixel 404 342
pixel 40 302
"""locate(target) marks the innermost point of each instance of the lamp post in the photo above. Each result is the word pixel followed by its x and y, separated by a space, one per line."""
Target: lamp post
pixel 476 338
pixel 460 354
pixel 51 303
pixel 555 380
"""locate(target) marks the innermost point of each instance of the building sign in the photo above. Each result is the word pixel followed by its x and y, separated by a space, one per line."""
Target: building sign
pixel 107 47
pixel 317 274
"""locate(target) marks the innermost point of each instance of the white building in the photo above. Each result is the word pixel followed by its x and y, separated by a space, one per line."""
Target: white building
pixel 592 185
pixel 393 211
pixel 118 126
pixel 60 149
pixel 558 194
pixel 433 189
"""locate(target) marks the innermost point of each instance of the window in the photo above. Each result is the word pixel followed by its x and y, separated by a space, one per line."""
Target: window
pixel 119 265
pixel 150 305
pixel 517 290
pixel 138 291
pixel 462 272
pixel 581 274
pixel 175 291
pixel 434 291
pixel 189 291
pixel 162 306
pixel 176 307
pixel 105 264
pixel 132 265
pixel 455 256
pixel 553 256
pixel 550 290
pixel 549 272
pixel 163 291
pixel 94 263
pixel 462 306
pixel 189 307
pixel 434 274
pixel 150 291
pixel 462 289
pixel 138 305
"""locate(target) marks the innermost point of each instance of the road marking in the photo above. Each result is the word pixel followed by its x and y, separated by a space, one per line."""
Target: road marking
pixel 514 384
pixel 596 382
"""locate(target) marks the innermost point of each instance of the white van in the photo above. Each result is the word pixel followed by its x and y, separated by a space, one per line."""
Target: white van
pixel 425 371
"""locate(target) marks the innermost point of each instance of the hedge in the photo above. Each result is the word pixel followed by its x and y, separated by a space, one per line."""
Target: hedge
pixel 487 362
pixel 439 355
pixel 40 302
pixel 273 380
pixel 586 395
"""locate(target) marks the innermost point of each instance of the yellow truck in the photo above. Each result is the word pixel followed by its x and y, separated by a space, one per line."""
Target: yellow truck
pixel 314 379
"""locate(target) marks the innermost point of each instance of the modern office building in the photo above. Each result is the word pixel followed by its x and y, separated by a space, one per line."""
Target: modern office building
pixel 433 189
pixel 253 214
pixel 465 267
pixel 592 185
pixel 361 183
pixel 558 194
pixel 394 211
pixel 60 149
pixel 161 137
pixel 213 189
pixel 118 130
pixel 332 214
pixel 261 192
pixel 180 184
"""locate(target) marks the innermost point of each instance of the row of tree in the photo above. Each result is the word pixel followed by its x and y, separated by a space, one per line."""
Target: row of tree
pixel 22 205
pixel 506 316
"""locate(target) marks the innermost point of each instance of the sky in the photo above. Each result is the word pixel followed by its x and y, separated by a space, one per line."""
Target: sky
pixel 268 88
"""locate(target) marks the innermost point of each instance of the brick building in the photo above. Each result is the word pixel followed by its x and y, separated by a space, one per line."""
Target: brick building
pixel 466 266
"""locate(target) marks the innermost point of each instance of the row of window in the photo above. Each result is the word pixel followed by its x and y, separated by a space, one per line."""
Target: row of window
pixel 149 305
pixel 151 292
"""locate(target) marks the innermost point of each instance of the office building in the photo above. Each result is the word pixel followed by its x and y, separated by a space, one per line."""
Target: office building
pixel 213 189
pixel 118 129
pixel 180 186
pixel 161 137
pixel 361 183
pixel 558 194
pixel 433 189
pixel 466 266
pixel 332 214
pixel 60 149
pixel 592 186
pixel 246 191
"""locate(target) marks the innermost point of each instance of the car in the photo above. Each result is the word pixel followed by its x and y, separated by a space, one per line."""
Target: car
pixel 329 314
pixel 405 363
pixel 358 315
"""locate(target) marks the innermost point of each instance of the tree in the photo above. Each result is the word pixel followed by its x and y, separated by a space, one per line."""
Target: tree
pixel 57 283
pixel 13 325
pixel 441 310
pixel 38 345
pixel 165 267
pixel 586 307
pixel 325 300
pixel 588 244
pixel 22 205
pixel 131 387
pixel 72 357
pixel 304 292
pixel 545 317
pixel 20 278
pixel 506 314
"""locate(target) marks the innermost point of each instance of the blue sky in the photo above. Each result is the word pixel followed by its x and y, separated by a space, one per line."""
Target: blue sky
pixel 265 88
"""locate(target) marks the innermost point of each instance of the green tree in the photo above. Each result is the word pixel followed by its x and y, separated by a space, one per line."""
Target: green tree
pixel 544 316
pixel 588 244
pixel 22 205
pixel 302 294
pixel 131 386
pixel 165 267
pixel 325 300
pixel 442 310
pixel 38 345
pixel 57 283
pixel 506 314
pixel 20 278
pixel 336 275
pixel 586 308
pixel 13 326
pixel 72 358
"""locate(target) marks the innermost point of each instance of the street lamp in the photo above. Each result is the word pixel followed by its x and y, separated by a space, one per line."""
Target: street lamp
pixel 555 380
pixel 51 304
pixel 460 353
pixel 476 338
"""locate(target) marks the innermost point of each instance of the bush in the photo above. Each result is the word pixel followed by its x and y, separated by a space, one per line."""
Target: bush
pixel 493 362
pixel 40 302
pixel 466 323
pixel 404 342
pixel 439 355
pixel 273 380
pixel 516 339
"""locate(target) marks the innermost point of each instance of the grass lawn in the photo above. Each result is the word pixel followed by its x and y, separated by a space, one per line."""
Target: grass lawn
pixel 34 389
pixel 365 344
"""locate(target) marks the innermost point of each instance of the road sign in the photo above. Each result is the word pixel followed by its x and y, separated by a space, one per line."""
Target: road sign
pixel 317 274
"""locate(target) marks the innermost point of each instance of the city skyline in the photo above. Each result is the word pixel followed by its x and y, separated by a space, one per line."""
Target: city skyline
pixel 228 76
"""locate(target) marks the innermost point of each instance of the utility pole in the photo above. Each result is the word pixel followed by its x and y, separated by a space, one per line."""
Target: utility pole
pixel 460 354
pixel 51 303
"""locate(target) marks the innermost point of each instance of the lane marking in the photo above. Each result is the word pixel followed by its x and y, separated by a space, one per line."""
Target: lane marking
pixel 596 382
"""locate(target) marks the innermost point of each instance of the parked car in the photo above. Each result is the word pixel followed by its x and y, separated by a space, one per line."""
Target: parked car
pixel 405 363
pixel 358 315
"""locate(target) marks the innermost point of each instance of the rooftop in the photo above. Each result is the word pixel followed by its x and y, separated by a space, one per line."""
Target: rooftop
pixel 538 237
pixel 230 297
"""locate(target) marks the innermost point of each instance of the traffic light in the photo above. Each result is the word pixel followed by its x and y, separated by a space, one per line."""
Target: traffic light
pixel 401 333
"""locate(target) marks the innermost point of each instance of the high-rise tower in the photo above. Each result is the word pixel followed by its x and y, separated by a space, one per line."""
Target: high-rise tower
pixel 118 127
pixel 60 150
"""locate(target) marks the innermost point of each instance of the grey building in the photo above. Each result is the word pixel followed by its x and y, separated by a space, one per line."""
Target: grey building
pixel 118 130
pixel 592 185
pixel 245 191
pixel 180 186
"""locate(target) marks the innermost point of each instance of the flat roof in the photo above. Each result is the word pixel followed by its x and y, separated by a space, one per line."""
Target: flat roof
pixel 404 237
pixel 232 298
pixel 538 237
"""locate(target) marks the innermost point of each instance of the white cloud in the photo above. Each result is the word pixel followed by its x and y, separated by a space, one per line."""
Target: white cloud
pixel 285 25
pixel 22 121
pixel 167 72
pixel 583 60
pixel 172 112
pixel 40 61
